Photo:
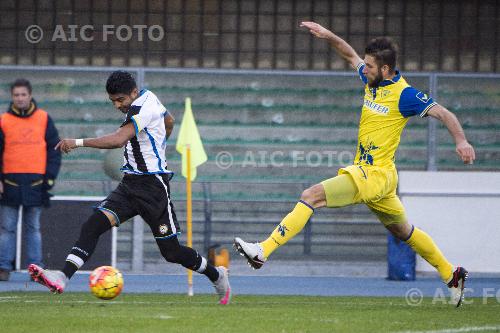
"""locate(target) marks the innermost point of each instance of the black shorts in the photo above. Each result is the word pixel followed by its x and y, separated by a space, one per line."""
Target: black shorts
pixel 147 196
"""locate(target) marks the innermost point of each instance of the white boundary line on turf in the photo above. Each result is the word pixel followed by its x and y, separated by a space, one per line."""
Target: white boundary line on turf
pixel 23 299
pixel 458 330
pixel 17 299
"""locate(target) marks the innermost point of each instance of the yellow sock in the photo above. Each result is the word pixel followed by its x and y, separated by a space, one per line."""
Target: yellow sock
pixel 423 244
pixel 291 225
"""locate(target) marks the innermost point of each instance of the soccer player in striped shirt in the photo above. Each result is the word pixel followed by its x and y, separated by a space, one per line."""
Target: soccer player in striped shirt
pixel 144 189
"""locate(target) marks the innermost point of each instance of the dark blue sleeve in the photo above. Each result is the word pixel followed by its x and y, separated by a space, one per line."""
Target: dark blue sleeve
pixel 413 102
pixel 362 76
pixel 53 156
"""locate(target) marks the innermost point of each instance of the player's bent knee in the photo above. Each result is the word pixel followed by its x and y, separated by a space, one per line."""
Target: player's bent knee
pixel 172 257
pixel 170 249
pixel 314 196
pixel 111 217
pixel 96 225
pixel 400 230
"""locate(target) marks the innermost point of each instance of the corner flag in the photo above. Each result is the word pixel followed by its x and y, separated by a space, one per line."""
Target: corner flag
pixel 193 155
pixel 188 135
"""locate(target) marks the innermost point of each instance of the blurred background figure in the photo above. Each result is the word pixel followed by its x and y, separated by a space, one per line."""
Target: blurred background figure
pixel 28 167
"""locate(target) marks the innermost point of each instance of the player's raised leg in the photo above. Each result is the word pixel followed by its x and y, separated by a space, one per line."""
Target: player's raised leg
pixel 56 281
pixel 425 246
pixel 334 192
pixel 161 217
pixel 257 253
pixel 176 253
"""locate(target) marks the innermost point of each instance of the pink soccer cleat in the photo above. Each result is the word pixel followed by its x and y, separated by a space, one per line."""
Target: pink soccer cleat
pixel 222 286
pixel 54 280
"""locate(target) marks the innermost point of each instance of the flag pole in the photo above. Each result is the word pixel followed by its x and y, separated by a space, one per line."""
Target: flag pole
pixel 189 216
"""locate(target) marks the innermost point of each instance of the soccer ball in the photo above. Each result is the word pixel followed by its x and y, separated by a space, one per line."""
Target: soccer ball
pixel 106 282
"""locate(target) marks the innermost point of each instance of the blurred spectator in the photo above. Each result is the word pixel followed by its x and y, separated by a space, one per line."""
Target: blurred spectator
pixel 28 167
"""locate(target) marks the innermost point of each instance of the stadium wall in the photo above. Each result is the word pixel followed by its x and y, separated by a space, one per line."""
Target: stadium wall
pixel 441 35
pixel 461 210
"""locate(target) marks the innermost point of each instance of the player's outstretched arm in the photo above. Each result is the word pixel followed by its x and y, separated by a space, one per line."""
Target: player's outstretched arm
pixel 464 148
pixel 115 140
pixel 169 123
pixel 341 46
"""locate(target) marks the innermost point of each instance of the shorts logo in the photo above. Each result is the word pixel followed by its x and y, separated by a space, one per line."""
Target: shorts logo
pixel 423 97
pixel 163 229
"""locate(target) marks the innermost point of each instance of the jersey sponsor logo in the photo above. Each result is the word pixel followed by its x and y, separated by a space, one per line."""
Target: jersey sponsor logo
pixel 423 97
pixel 376 107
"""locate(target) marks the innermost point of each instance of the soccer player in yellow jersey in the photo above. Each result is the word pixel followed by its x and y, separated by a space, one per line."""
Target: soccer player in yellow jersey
pixel 388 103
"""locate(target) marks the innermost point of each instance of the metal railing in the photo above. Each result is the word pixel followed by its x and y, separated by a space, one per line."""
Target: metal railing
pixel 142 73
pixel 433 82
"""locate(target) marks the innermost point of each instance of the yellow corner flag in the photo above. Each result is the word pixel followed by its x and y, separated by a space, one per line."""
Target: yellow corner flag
pixel 188 135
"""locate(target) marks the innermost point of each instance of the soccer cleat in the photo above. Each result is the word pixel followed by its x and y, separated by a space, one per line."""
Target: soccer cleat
pixel 222 286
pixel 457 285
pixel 54 280
pixel 252 251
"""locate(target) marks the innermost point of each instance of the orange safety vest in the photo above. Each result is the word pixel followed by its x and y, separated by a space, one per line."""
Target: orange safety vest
pixel 25 148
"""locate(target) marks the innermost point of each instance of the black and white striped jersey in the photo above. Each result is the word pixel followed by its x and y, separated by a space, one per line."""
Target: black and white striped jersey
pixel 145 152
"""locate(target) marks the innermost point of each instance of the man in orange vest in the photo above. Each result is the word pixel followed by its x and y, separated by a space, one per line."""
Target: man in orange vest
pixel 28 167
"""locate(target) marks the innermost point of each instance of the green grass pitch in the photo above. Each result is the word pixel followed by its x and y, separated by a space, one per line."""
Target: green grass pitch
pixel 81 312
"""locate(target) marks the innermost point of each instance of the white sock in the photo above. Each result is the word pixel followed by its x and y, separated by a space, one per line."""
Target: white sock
pixel 203 265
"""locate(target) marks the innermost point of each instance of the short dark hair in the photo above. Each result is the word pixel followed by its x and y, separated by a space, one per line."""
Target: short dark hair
pixel 384 50
pixel 120 82
pixel 21 83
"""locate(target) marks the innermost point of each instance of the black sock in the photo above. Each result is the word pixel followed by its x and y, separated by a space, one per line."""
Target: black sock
pixel 95 226
pixel 173 252
pixel 211 272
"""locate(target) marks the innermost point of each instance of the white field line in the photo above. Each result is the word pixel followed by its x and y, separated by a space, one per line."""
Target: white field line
pixel 32 299
pixel 460 329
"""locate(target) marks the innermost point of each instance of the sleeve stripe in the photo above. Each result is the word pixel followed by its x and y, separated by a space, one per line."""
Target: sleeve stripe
pixel 360 72
pixel 137 126
pixel 424 113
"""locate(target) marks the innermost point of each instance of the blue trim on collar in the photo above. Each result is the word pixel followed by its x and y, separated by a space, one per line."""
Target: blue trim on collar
pixel 389 82
pixel 142 92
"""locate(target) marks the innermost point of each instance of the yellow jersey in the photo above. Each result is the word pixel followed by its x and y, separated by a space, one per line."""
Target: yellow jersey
pixel 385 112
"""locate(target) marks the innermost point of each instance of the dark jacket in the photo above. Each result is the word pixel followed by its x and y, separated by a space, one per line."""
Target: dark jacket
pixel 31 189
